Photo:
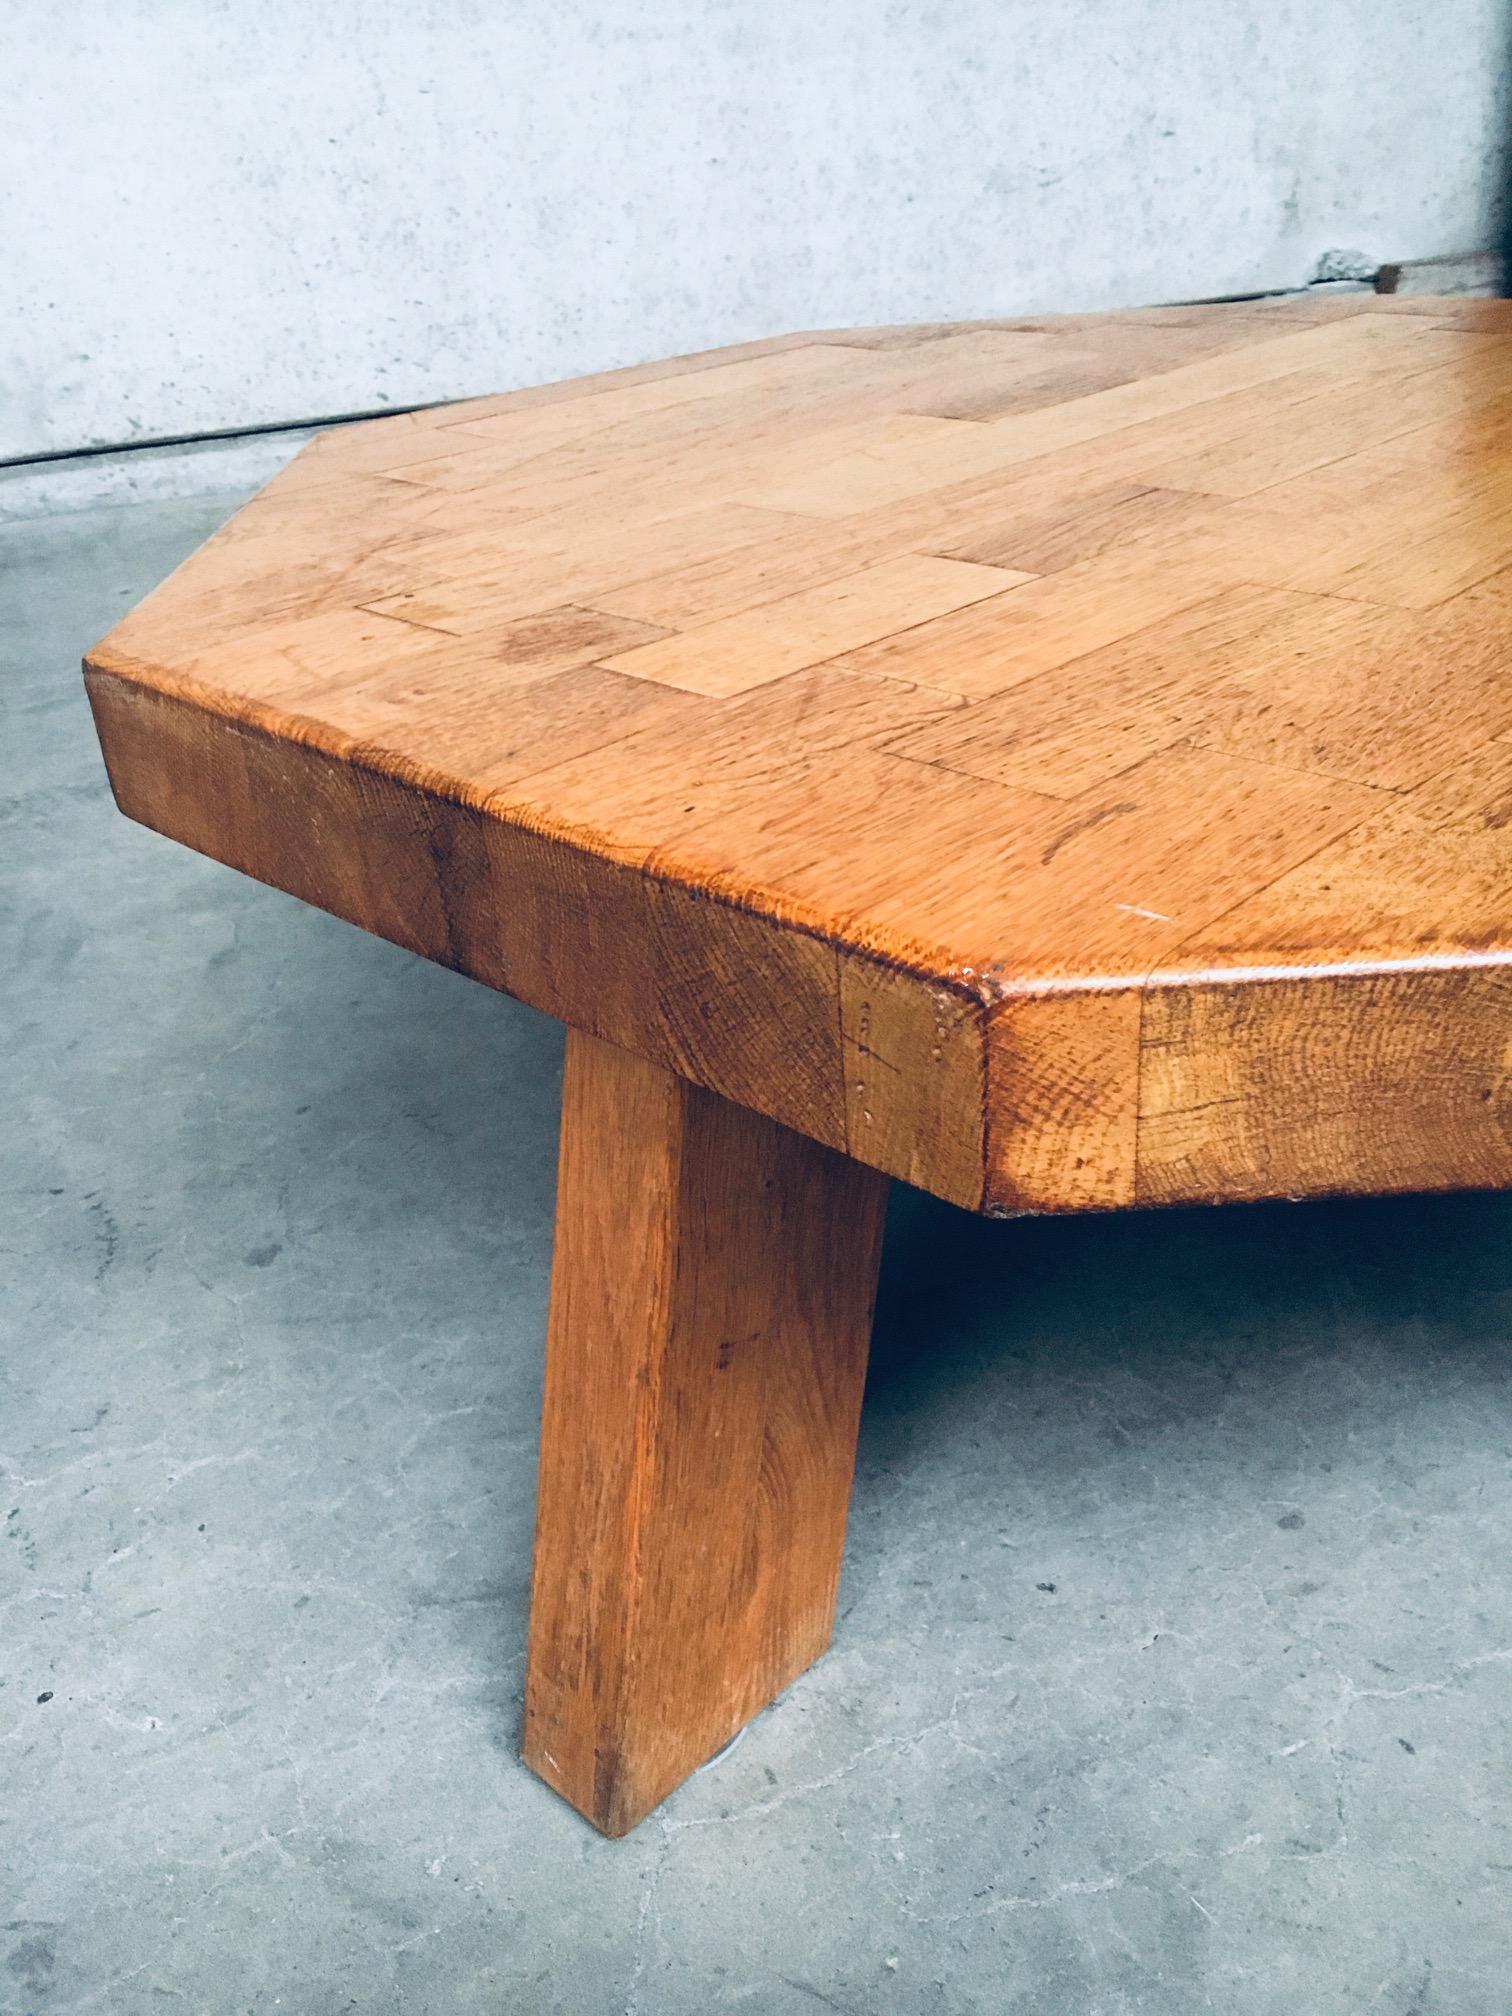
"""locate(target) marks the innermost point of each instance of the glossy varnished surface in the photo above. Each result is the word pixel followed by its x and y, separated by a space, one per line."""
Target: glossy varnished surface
pixel 1064 763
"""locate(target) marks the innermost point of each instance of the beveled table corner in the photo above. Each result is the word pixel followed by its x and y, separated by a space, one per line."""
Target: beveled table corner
pixel 1065 763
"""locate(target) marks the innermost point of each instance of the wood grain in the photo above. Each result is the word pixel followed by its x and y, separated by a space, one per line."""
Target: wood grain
pixel 964 746
pixel 711 1303
pixel 784 636
pixel 1241 1095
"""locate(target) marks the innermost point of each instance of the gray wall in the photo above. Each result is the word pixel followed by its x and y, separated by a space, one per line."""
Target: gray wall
pixel 216 213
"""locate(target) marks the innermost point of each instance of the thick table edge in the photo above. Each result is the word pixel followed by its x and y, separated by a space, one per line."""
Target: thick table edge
pixel 1004 1096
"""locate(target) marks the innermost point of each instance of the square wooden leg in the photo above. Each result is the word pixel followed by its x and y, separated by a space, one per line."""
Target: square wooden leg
pixel 711 1299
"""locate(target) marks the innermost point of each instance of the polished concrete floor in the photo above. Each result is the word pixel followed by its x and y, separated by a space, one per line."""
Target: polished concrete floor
pixel 1174 1661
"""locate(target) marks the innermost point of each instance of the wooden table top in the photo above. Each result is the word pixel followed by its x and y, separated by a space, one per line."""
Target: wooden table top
pixel 1066 763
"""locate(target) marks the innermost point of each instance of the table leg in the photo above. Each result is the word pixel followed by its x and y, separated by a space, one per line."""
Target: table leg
pixel 711 1298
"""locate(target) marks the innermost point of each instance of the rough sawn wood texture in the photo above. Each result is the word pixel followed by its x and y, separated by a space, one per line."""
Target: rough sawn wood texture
pixel 1063 763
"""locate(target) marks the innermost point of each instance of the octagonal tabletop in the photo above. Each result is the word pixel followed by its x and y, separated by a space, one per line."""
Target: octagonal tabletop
pixel 1065 763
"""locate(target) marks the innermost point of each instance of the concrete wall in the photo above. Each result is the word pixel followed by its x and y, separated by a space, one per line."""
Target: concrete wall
pixel 222 213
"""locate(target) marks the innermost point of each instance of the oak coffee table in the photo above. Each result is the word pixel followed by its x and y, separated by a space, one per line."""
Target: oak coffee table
pixel 1066 764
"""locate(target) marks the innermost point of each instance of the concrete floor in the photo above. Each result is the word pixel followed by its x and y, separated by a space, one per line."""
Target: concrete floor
pixel 1173 1665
